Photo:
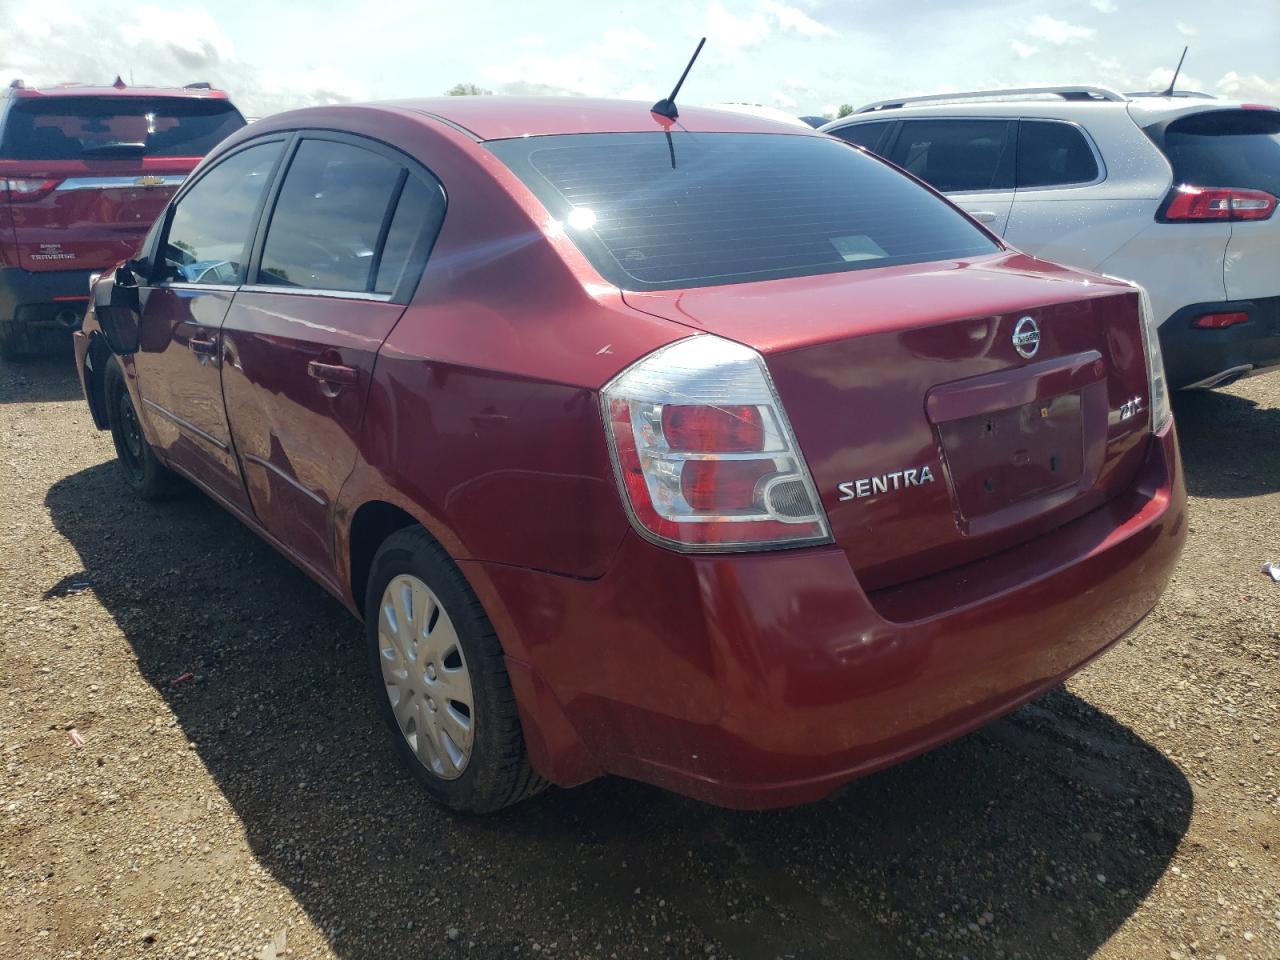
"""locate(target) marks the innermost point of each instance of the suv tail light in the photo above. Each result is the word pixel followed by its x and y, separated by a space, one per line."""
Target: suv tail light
pixel 1215 204
pixel 703 452
pixel 28 189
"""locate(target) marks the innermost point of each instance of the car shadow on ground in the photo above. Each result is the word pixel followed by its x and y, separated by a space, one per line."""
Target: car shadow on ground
pixel 1037 836
pixel 1225 446
pixel 41 380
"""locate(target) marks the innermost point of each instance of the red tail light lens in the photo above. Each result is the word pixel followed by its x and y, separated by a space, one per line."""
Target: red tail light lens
pixel 704 455
pixel 1219 321
pixel 27 189
pixel 1216 204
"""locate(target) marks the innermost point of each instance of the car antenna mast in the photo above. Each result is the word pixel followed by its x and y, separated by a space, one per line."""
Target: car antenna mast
pixel 667 108
pixel 1177 70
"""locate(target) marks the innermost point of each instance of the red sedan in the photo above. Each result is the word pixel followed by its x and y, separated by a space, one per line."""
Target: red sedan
pixel 711 452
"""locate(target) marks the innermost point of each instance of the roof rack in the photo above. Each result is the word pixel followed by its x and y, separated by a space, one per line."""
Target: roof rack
pixel 1066 93
pixel 198 85
pixel 1189 94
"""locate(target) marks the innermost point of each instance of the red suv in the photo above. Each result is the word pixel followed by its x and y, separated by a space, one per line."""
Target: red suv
pixel 718 453
pixel 83 173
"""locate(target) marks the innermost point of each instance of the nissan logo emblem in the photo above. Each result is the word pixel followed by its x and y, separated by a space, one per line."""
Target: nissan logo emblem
pixel 1026 337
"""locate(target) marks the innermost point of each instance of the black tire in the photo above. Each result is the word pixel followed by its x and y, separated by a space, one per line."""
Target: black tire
pixel 143 472
pixel 497 772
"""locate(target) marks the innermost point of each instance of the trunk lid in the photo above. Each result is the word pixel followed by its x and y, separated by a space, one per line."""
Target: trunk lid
pixel 86 215
pixel 931 439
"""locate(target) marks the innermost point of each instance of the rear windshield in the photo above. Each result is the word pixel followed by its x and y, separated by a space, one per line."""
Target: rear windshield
pixel 1226 148
pixel 82 128
pixel 695 209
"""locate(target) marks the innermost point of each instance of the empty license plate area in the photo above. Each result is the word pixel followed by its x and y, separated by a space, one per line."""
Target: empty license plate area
pixel 1006 457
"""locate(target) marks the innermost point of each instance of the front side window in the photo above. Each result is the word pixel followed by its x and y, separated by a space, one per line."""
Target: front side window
pixel 212 222
pixel 957 156
pixel 1053 154
pixel 88 128
pixel 328 220
pixel 696 209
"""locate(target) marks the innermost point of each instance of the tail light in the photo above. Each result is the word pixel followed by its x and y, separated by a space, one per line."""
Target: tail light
pixel 1219 321
pixel 1158 386
pixel 1187 204
pixel 704 455
pixel 27 189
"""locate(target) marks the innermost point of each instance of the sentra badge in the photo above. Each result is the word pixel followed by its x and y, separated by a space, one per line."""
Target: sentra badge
pixel 898 480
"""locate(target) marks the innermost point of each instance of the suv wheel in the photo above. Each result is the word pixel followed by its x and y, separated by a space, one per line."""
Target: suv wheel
pixel 436 666
pixel 143 471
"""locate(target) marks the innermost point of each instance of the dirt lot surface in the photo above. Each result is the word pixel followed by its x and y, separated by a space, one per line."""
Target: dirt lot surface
pixel 257 805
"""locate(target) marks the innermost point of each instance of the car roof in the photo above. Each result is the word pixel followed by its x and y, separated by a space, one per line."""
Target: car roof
pixel 503 118
pixel 19 90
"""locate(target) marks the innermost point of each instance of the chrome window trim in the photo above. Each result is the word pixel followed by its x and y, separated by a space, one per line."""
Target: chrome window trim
pixel 317 292
pixel 116 183
pixel 187 285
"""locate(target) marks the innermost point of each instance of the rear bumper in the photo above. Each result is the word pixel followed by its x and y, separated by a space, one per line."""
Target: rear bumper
pixel 1207 358
pixel 768 680
pixel 39 310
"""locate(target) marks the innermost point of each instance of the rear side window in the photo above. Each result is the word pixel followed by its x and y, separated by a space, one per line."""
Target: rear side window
pixel 420 207
pixel 957 156
pixel 868 135
pixel 328 220
pixel 1052 154
pixel 1226 148
pixel 653 211
pixel 211 223
pixel 85 128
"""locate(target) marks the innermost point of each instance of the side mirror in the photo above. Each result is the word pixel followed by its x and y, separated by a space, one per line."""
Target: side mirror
pixel 118 308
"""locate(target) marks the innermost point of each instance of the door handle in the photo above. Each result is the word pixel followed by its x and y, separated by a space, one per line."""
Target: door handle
pixel 205 348
pixel 335 374
pixel 983 216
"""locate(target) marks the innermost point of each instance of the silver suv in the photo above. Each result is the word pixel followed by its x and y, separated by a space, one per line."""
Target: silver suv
pixel 1177 193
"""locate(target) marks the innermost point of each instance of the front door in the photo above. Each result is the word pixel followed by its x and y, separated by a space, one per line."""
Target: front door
pixel 971 160
pixel 339 259
pixel 179 357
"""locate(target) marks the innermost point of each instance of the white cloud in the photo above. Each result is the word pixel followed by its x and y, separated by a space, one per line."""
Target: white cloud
pixel 731 34
pixel 784 100
pixel 1058 32
pixel 1249 87
pixel 796 85
pixel 623 44
pixel 1023 50
pixel 1158 79
pixel 797 21
pixel 1103 6
pixel 1186 29
pixel 594 71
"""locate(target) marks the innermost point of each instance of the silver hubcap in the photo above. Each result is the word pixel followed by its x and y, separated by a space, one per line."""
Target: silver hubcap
pixel 426 676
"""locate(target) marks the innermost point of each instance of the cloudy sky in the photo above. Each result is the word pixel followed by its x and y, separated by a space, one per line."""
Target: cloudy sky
pixel 805 56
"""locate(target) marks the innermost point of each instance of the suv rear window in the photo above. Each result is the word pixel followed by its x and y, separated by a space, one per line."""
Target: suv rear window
pixel 83 128
pixel 1225 148
pixel 653 211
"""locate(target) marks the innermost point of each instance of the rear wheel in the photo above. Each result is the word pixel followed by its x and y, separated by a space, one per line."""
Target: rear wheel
pixel 437 670
pixel 143 471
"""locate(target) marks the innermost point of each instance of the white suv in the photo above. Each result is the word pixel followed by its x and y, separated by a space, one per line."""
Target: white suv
pixel 1175 192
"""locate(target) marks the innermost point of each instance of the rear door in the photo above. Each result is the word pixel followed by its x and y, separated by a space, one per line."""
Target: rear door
pixel 337 262
pixel 179 359
pixel 971 160
pixel 88 175
pixel 1235 149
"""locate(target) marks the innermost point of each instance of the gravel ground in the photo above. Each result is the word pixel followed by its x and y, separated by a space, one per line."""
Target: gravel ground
pixel 258 806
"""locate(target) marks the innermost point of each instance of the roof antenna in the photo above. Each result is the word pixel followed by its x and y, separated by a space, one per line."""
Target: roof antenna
pixel 1169 91
pixel 667 108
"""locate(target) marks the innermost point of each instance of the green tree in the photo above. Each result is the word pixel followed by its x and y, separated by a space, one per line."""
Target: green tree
pixel 468 90
pixel 845 110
